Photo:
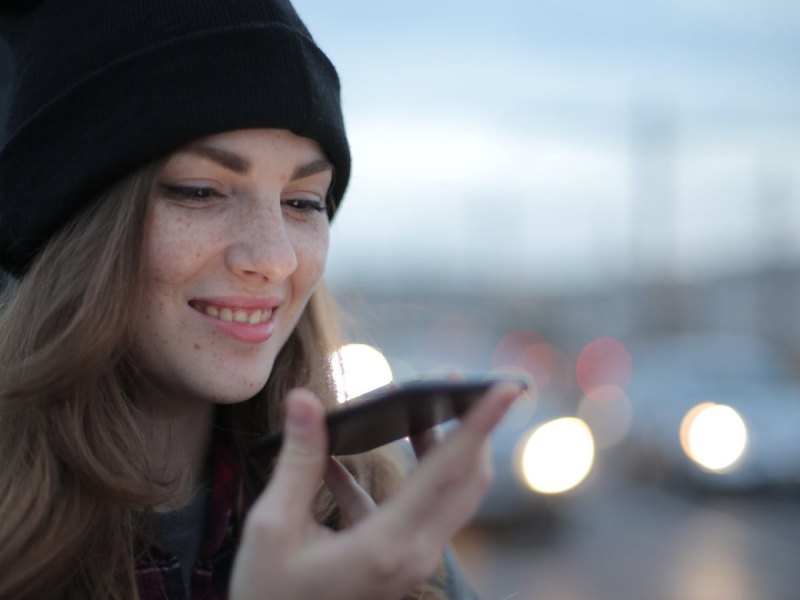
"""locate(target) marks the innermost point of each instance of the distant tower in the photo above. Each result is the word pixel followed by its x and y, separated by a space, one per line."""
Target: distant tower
pixel 653 220
pixel 775 227
pixel 653 185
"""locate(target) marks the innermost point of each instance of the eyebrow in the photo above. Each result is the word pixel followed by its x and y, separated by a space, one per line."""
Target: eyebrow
pixel 239 164
pixel 319 165
pixel 229 160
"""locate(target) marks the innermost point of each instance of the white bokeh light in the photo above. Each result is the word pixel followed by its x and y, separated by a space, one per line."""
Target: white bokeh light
pixel 714 436
pixel 557 456
pixel 358 369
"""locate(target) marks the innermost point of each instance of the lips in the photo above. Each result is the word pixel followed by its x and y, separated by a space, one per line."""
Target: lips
pixel 245 319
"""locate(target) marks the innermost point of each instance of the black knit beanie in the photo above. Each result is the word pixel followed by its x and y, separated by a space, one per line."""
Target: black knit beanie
pixel 102 87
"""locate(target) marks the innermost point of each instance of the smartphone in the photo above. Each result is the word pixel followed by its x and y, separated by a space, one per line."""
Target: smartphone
pixel 394 412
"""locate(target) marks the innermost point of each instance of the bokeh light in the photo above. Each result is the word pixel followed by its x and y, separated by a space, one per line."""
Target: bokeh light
pixel 608 412
pixel 357 369
pixel 557 456
pixel 714 436
pixel 526 352
pixel 603 361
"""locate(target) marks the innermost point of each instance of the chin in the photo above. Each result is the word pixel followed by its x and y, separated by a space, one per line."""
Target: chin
pixel 230 400
pixel 242 392
pixel 230 383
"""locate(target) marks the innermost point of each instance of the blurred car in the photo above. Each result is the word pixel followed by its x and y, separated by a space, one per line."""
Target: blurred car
pixel 714 411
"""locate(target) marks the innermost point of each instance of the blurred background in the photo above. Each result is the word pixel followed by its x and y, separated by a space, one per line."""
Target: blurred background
pixel 604 196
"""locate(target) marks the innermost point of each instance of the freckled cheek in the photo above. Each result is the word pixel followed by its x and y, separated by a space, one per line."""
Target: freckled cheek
pixel 312 255
pixel 173 255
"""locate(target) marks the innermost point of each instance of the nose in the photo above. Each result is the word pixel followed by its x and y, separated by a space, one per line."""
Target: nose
pixel 263 246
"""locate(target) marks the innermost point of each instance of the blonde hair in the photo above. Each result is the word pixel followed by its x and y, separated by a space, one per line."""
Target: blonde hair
pixel 74 471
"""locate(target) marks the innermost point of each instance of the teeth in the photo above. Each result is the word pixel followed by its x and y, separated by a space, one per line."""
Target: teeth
pixel 238 315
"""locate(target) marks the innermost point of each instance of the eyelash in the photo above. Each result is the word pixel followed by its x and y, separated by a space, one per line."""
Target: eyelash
pixel 197 194
pixel 304 204
pixel 200 194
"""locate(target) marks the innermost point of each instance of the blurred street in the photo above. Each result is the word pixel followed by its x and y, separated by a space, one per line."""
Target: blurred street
pixel 619 541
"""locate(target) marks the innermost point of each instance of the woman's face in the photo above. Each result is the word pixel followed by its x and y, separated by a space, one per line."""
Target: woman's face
pixel 236 241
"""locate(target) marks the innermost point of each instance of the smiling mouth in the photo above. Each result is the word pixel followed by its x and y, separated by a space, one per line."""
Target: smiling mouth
pixel 235 315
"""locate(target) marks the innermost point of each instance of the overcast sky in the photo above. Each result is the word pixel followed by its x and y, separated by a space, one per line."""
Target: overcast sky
pixel 560 142
pixel 564 142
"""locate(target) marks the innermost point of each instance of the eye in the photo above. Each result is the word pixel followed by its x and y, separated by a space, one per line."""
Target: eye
pixel 190 192
pixel 305 204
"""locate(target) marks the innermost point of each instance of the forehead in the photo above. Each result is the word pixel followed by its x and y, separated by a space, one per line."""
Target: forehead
pixel 240 150
pixel 258 141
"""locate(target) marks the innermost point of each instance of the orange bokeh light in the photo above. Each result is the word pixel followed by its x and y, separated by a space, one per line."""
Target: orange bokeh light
pixel 602 362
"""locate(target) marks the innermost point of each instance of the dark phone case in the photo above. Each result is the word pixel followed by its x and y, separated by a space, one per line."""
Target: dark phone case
pixel 388 414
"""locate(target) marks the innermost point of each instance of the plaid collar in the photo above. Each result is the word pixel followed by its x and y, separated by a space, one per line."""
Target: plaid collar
pixel 158 574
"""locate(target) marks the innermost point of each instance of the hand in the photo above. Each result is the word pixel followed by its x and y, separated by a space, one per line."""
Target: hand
pixel 388 550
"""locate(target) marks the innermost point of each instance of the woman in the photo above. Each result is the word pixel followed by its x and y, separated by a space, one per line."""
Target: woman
pixel 167 183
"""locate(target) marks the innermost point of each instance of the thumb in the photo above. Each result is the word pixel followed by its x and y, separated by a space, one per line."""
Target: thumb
pixel 302 459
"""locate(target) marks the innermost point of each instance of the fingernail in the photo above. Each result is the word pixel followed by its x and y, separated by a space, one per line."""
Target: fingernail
pixel 299 415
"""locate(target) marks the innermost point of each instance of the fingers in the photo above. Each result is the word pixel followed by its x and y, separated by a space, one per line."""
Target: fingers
pixel 390 549
pixel 423 442
pixel 446 487
pixel 301 462
pixel 354 502
pixel 488 412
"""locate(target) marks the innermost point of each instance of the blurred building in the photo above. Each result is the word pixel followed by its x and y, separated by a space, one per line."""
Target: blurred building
pixel 434 321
